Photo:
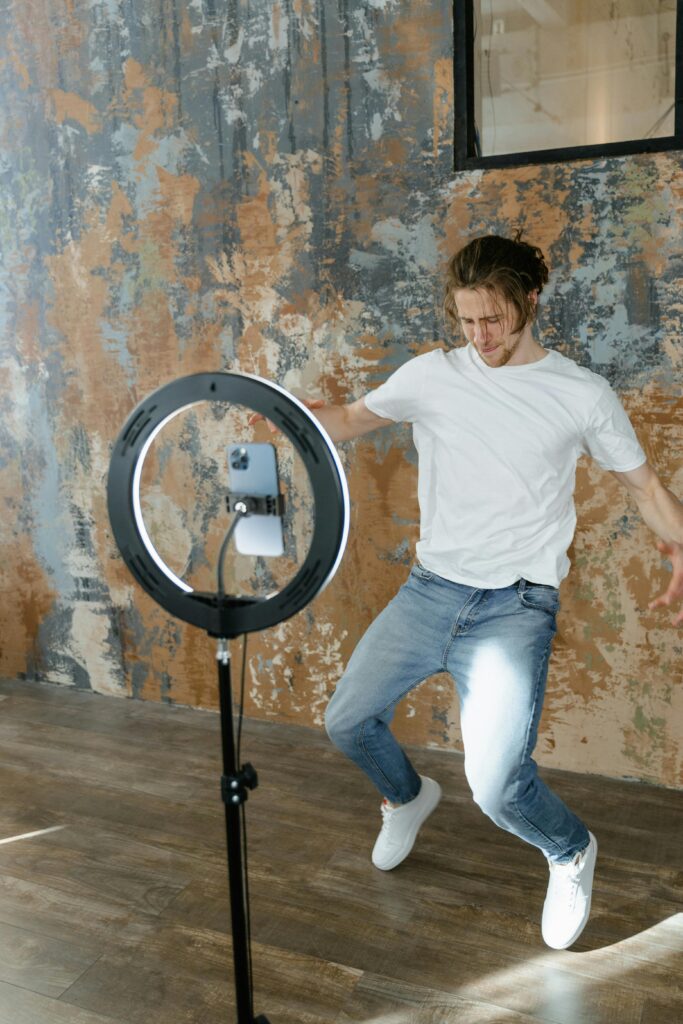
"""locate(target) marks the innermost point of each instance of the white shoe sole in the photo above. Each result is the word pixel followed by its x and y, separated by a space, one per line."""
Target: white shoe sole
pixel 433 797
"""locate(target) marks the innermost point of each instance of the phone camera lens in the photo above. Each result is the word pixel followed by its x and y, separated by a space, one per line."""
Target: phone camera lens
pixel 239 459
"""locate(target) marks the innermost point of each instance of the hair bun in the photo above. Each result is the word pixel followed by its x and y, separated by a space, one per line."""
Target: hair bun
pixel 532 264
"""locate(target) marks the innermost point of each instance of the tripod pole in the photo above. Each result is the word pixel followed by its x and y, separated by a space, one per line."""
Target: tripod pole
pixel 234 785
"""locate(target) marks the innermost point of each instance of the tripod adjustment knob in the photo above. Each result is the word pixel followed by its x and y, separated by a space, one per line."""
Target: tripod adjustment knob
pixel 234 787
pixel 249 776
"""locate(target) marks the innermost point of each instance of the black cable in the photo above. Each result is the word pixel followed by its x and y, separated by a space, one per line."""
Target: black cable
pixel 246 895
pixel 239 513
pixel 242 692
pixel 244 821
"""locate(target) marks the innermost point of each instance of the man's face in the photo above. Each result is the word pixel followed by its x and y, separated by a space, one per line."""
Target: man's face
pixel 487 321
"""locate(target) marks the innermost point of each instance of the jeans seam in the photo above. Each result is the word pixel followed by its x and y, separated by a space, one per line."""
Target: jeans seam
pixel 452 631
pixel 515 806
pixel 361 731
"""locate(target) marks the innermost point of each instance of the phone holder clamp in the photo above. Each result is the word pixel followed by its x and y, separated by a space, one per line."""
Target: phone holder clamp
pixel 256 505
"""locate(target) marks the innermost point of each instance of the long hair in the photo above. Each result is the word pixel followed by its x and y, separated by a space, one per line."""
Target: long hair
pixel 507 267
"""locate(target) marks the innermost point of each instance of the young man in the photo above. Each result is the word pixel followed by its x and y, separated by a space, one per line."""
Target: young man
pixel 498 426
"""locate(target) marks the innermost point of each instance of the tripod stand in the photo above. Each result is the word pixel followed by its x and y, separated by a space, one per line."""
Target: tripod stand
pixel 221 616
pixel 235 784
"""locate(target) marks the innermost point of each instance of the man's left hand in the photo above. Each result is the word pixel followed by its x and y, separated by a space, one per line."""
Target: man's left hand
pixel 674 591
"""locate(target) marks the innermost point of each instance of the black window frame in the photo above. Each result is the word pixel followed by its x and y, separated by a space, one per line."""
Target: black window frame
pixel 465 158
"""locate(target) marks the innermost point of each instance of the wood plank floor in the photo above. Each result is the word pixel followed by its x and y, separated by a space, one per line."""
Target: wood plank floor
pixel 119 915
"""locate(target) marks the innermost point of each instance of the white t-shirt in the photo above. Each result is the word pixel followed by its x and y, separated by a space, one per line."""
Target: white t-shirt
pixel 497 451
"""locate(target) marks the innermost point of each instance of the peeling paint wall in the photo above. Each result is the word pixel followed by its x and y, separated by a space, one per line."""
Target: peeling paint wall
pixel 191 185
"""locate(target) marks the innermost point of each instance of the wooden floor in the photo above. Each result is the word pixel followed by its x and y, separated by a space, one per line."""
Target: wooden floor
pixel 120 914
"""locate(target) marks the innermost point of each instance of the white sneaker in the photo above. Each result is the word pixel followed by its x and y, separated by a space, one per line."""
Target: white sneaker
pixel 568 900
pixel 400 825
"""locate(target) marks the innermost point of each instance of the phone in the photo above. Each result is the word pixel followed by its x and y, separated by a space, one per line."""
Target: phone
pixel 252 470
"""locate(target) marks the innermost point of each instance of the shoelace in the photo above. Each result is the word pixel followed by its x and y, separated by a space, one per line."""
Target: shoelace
pixel 387 812
pixel 566 877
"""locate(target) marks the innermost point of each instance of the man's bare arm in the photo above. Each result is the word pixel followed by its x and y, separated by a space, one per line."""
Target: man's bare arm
pixel 663 513
pixel 342 422
pixel 661 510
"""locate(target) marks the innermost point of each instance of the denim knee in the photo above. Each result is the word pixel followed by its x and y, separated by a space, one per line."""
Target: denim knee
pixel 495 797
pixel 492 807
pixel 337 725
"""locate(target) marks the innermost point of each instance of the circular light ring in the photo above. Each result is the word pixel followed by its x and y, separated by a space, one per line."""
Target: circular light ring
pixel 328 483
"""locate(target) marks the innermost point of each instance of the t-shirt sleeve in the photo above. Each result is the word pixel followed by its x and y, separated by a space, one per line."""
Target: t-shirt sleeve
pixel 400 397
pixel 609 437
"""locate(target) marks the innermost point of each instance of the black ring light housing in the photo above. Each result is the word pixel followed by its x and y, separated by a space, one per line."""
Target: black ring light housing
pixel 231 616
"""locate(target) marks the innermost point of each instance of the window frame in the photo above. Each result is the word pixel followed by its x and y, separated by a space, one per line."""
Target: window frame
pixel 465 158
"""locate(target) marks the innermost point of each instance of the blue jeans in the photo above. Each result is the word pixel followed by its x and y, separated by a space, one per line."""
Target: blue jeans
pixel 496 644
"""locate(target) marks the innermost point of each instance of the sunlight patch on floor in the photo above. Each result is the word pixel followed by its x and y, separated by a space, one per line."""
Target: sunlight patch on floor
pixel 32 835
pixel 563 982
pixel 608 961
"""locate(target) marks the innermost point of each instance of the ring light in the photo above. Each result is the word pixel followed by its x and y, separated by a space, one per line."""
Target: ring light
pixel 231 616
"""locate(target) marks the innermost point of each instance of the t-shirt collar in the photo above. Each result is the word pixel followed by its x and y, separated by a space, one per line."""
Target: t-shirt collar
pixel 477 359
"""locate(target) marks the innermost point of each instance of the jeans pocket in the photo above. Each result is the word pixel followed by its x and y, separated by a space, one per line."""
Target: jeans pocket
pixel 539 597
pixel 420 573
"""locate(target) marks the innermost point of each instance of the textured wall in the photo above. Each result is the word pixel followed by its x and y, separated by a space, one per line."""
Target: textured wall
pixel 192 185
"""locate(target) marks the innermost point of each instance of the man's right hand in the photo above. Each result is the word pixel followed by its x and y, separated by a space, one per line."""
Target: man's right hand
pixel 310 403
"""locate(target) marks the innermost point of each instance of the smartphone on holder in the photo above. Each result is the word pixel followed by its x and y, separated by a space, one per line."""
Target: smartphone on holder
pixel 252 470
